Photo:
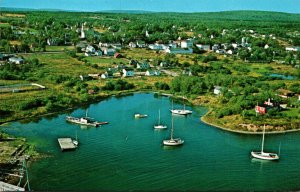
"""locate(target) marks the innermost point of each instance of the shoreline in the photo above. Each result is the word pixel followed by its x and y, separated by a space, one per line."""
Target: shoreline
pixel 243 132
pixel 124 93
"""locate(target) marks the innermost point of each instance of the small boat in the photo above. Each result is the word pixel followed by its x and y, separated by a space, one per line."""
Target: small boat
pixel 172 141
pixel 84 121
pixel 263 155
pixel 138 115
pixel 181 111
pixel 159 126
pixel 76 142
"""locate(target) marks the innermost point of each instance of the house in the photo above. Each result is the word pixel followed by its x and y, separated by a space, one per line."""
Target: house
pixel 143 65
pixel 133 62
pixel 107 74
pixel 16 60
pixel 98 53
pixel 90 49
pixel 203 47
pixel 260 109
pixel 217 90
pixel 229 52
pixel 163 64
pixel 266 46
pixel 215 47
pixel 81 46
pixel 152 73
pixel 108 52
pixel 140 44
pixel 186 43
pixel 220 51
pixel 116 46
pixel 128 73
pixel 155 46
pixel 118 55
pixel 292 48
pixel 132 45
pixel 179 51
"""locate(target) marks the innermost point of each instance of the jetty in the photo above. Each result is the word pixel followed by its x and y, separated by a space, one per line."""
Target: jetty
pixel 66 144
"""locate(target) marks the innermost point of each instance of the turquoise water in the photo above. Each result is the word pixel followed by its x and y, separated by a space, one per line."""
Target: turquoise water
pixel 127 154
pixel 284 77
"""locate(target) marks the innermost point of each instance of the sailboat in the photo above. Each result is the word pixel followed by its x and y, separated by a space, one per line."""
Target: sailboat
pixel 263 155
pixel 181 111
pixel 172 141
pixel 159 126
pixel 75 142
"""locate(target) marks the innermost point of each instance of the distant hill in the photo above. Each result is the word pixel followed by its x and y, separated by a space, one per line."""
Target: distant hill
pixel 223 15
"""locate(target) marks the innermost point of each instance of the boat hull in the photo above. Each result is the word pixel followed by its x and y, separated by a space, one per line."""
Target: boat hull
pixel 173 142
pixel 181 112
pixel 160 127
pixel 265 156
pixel 140 116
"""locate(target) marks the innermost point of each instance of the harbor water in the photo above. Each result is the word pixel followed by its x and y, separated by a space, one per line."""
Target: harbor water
pixel 127 154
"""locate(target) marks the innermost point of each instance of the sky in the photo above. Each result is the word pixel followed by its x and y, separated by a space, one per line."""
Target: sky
pixel 289 6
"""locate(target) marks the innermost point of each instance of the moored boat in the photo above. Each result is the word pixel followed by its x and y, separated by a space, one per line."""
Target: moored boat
pixel 138 115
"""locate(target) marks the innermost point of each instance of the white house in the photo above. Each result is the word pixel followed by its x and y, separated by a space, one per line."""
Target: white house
pixel 220 51
pixel 229 52
pixel 266 46
pixel 152 73
pixel 16 60
pixel 217 90
pixel 155 46
pixel 203 47
pixel 140 44
pixel 292 48
pixel 132 45
pixel 108 52
pixel 163 64
pixel 107 74
pixel 90 49
pixel 179 51
pixel 186 43
pixel 128 73
pixel 142 65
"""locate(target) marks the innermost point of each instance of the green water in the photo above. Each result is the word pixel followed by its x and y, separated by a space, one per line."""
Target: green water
pixel 127 154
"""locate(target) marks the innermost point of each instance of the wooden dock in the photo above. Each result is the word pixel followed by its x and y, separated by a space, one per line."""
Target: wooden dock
pixel 66 144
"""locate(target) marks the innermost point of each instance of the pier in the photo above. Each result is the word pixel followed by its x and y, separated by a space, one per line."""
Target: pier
pixel 66 144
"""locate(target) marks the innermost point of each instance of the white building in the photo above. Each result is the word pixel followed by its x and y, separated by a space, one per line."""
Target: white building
pixel 217 90
pixel 143 65
pixel 186 43
pixel 128 73
pixel 179 51
pixel 292 48
pixel 132 45
pixel 16 60
pixel 203 47
pixel 152 73
pixel 108 52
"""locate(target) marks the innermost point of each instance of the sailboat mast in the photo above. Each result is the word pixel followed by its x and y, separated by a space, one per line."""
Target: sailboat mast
pixel 159 117
pixel 172 128
pixel 263 139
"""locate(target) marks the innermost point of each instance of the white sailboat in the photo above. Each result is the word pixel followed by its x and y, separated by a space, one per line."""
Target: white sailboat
pixel 263 155
pixel 181 111
pixel 159 126
pixel 172 141
pixel 75 142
